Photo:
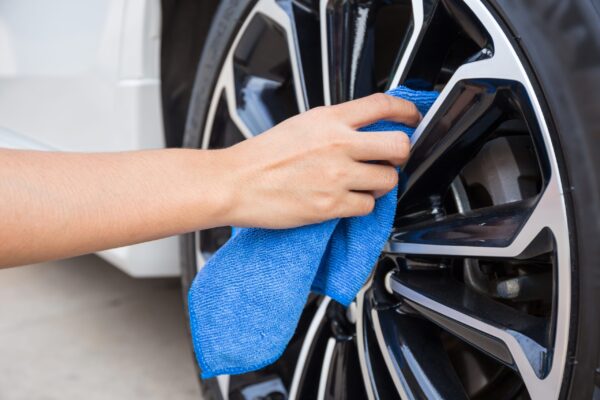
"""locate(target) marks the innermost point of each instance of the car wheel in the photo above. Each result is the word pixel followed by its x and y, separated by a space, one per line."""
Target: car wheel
pixel 488 284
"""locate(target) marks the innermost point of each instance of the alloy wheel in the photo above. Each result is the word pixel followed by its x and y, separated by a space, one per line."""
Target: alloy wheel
pixel 471 297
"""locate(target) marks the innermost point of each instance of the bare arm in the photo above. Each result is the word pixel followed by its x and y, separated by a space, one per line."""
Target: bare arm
pixel 305 170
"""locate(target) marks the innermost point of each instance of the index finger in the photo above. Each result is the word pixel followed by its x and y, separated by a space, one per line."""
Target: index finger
pixel 375 107
pixel 393 147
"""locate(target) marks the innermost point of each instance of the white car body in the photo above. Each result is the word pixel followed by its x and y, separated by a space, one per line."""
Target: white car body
pixel 85 76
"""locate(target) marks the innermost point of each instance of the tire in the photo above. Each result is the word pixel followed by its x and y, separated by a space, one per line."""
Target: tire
pixel 571 86
pixel 558 48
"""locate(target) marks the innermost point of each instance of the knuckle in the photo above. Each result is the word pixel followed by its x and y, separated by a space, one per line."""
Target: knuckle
pixel 366 206
pixel 403 156
pixel 327 204
pixel 383 102
pixel 322 113
pixel 336 141
pixel 319 110
pixel 332 111
pixel 390 178
pixel 412 112
pixel 400 145
pixel 337 174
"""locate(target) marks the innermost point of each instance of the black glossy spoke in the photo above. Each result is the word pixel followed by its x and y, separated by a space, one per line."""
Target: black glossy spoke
pixel 349 33
pixel 447 36
pixel 476 318
pixel 364 38
pixel 344 381
pixel 304 15
pixel 417 352
pixel 264 89
pixel 455 134
pixel 494 226
pixel 224 132
pixel 378 376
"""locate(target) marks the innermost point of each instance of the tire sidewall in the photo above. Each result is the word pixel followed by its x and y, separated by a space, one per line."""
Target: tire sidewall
pixel 550 37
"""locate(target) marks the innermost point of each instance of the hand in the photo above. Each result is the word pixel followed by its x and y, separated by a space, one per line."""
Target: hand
pixel 312 167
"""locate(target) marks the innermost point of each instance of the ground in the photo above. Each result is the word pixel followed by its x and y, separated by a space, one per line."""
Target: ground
pixel 81 329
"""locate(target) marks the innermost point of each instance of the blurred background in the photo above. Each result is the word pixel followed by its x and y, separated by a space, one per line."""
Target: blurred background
pixel 82 329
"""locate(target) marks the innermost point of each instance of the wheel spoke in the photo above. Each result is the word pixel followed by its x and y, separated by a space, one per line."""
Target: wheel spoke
pixel 258 110
pixel 362 345
pixel 326 371
pixel 380 380
pixel 415 357
pixel 345 34
pixel 360 43
pixel 494 226
pixel 512 337
pixel 224 94
pixel 255 90
pixel 499 65
pixel 309 340
pixel 505 231
pixel 305 38
pixel 282 12
pixel 422 13
pixel 458 132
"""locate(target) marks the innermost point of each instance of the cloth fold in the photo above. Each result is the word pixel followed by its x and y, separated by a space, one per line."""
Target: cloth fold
pixel 245 303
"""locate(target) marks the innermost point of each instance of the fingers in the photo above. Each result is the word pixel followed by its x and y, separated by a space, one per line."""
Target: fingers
pixel 372 178
pixel 364 111
pixel 393 147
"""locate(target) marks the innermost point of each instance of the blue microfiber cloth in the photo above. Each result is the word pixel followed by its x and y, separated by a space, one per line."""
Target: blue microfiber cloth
pixel 246 301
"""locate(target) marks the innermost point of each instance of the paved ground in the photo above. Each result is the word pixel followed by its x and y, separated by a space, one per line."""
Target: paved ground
pixel 81 329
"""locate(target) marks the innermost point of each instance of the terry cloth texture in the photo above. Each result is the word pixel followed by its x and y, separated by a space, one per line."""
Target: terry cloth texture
pixel 246 301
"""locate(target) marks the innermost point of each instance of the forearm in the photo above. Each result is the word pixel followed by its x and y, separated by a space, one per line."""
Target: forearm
pixel 305 170
pixel 55 205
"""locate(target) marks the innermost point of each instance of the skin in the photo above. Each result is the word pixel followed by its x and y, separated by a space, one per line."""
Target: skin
pixel 308 169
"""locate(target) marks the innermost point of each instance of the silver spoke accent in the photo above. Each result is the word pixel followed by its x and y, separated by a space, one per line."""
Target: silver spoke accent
pixel 366 372
pixel 418 23
pixel 309 339
pixel 223 381
pixel 230 97
pixel 324 52
pixel 326 368
pixel 200 261
pixel 391 360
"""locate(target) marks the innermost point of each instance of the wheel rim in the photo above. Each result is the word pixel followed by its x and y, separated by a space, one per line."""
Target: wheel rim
pixel 471 297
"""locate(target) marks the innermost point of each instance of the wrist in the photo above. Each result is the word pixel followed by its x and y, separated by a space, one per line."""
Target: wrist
pixel 208 201
pixel 227 189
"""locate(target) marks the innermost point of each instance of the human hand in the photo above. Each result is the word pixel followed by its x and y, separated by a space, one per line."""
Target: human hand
pixel 312 167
